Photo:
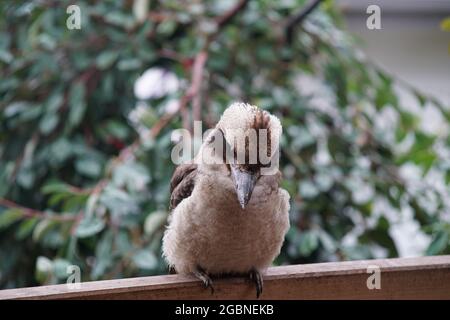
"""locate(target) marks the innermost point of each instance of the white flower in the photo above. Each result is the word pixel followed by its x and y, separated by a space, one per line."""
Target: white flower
pixel 155 83
pixel 172 106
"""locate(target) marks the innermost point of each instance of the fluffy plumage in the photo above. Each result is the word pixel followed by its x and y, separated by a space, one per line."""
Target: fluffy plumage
pixel 209 230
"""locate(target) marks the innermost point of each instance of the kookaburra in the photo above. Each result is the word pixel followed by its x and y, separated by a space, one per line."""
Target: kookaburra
pixel 229 216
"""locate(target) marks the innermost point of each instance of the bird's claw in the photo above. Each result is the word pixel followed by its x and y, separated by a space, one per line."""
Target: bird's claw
pixel 256 277
pixel 204 277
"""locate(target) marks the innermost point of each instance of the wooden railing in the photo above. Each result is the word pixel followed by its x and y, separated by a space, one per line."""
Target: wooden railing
pixel 407 278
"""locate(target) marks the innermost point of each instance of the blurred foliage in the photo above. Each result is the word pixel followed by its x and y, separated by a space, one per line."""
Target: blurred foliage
pixel 77 195
pixel 445 26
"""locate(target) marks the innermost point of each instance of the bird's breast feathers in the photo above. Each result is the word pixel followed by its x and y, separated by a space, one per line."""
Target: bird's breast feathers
pixel 210 229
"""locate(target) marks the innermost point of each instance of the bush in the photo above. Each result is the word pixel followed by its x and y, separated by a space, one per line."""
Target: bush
pixel 85 165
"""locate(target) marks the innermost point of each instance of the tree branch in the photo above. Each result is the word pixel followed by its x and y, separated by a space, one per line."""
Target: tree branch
pixel 191 94
pixel 32 213
pixel 299 17
pixel 226 18
pixel 196 83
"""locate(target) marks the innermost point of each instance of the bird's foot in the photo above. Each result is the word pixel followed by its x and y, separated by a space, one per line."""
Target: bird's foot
pixel 172 270
pixel 204 277
pixel 256 277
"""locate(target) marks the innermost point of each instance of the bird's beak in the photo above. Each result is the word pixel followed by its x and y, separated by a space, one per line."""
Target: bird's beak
pixel 244 182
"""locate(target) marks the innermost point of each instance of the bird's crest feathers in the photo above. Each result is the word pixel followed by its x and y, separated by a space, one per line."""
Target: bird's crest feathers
pixel 239 119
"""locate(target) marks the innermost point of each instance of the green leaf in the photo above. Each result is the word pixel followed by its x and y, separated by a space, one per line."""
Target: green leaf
pixel 408 120
pixel 47 41
pixel 91 204
pixel 117 129
pixel 25 177
pixel 74 203
pixel 57 198
pixel 120 19
pixel 77 104
pixel 129 64
pixel 103 255
pixel 309 242
pixel 424 141
pixel 154 222
pixel 88 167
pixel 439 243
pixel 6 56
pixel 16 108
pixel 60 268
pixel 53 239
pixel 422 152
pixel 132 175
pixel 48 122
pixel 145 259
pixel 54 102
pixel 8 217
pixel 118 201
pixel 89 227
pixel 327 241
pixel 385 94
pixel 123 242
pixel 106 59
pixel 55 187
pixel 308 190
pixel 42 228
pixel 60 150
pixel 26 228
pixel 380 235
pixel 167 27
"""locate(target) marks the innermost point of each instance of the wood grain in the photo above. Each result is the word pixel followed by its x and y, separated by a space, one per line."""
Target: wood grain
pixel 405 278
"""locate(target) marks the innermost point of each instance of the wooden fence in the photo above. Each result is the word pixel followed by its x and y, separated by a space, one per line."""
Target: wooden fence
pixel 405 278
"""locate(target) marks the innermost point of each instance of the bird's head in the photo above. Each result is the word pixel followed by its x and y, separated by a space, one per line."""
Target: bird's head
pixel 252 138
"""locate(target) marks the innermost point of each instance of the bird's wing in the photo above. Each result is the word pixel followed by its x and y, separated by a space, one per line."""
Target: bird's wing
pixel 182 183
pixel 183 179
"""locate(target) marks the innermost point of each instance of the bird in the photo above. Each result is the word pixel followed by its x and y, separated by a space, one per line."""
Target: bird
pixel 229 217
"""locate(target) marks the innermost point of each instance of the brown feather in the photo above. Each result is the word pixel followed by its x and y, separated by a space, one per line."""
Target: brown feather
pixel 182 183
pixel 261 121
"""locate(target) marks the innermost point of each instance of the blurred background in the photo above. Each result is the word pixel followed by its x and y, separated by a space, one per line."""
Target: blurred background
pixel 87 116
